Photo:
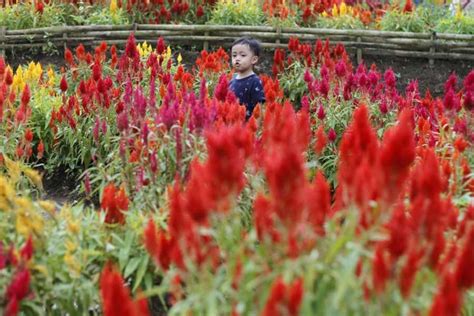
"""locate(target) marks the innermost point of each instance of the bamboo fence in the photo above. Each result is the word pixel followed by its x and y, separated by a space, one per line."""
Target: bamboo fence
pixel 431 46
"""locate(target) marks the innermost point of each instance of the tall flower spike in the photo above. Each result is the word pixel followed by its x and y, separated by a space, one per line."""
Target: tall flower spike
pixel 115 295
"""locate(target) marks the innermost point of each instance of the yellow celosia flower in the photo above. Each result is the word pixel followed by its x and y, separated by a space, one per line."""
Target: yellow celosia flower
pixel 179 59
pixel 324 14
pixel 40 268
pixel 6 194
pixel 343 9
pixel 18 80
pixel 30 72
pixel 38 71
pixel 351 11
pixel 459 13
pixel 73 226
pixel 144 49
pixel 72 264
pixel 113 6
pixel 13 169
pixel 334 10
pixel 51 77
pixel 48 206
pixel 168 52
pixel 71 246
pixel 28 220
pixel 34 177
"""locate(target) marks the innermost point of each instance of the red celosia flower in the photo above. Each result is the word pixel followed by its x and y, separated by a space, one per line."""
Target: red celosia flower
pixel 40 150
pixel 307 14
pixel 293 44
pixel 399 233
pixel 63 84
pixel 2 67
pixel 28 135
pixel 397 154
pixel 332 135
pixel 69 57
pixel 26 95
pixel 358 153
pixel 408 6
pixel 284 299
pixel 321 114
pixel 460 144
pixel 27 250
pixel 407 275
pixel 158 245
pixel 131 47
pixel 448 300
pixel 263 219
pixel 319 202
pixel 321 140
pixel 160 46
pixel 12 308
pixel 468 100
pixel 114 202
pixel 115 295
pixel 199 11
pixel 465 262
pixel 8 77
pixel 19 286
pixel 451 100
pixel 451 83
pixel 389 78
pixel 96 71
pixel 39 7
pixel 380 270
pixel 341 68
pixel 221 90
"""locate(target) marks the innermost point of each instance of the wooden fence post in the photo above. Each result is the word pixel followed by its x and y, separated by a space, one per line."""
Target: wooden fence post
pixel 359 51
pixel 64 40
pixel 205 45
pixel 278 29
pixel 432 48
pixel 3 31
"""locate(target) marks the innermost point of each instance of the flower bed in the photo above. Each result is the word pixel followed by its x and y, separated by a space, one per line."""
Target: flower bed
pixel 333 14
pixel 340 195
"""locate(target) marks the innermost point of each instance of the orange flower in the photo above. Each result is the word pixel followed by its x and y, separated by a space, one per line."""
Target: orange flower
pixel 460 144
pixel 114 202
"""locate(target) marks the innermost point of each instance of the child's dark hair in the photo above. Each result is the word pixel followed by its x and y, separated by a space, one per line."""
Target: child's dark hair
pixel 253 44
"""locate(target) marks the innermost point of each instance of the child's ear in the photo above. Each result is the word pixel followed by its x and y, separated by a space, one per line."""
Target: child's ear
pixel 254 59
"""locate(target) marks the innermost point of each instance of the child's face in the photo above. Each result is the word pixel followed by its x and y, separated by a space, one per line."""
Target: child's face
pixel 243 59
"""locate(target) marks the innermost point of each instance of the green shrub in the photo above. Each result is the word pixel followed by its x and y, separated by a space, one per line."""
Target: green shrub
pixel 237 13
pixel 396 20
pixel 345 21
pixel 106 16
pixel 23 16
pixel 462 24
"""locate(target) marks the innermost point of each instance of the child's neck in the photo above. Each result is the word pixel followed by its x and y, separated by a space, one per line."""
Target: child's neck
pixel 245 74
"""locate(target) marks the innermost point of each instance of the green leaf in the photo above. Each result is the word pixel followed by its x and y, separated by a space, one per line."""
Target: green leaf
pixel 30 305
pixel 140 273
pixel 131 267
pixel 125 251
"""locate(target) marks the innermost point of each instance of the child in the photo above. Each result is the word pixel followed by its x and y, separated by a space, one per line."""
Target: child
pixel 245 84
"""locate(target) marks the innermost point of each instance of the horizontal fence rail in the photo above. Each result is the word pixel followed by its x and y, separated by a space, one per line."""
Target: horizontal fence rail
pixel 364 42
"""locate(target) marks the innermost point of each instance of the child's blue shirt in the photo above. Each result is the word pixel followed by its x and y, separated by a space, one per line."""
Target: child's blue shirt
pixel 249 90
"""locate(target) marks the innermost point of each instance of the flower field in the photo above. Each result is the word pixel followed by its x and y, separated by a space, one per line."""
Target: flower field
pixel 339 14
pixel 339 196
